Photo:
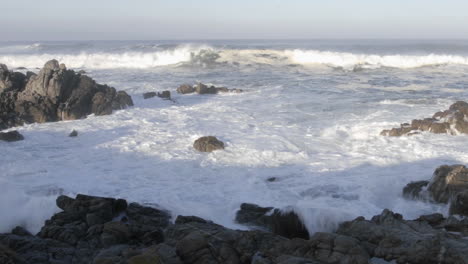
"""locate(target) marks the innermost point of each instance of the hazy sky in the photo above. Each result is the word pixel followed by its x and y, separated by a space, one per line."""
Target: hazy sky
pixel 219 19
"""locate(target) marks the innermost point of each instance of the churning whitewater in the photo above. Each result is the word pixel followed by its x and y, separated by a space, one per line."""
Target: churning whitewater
pixel 309 118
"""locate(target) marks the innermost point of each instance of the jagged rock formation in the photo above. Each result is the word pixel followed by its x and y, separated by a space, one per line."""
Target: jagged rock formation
pixel 54 94
pixel 11 136
pixel 106 230
pixel 451 121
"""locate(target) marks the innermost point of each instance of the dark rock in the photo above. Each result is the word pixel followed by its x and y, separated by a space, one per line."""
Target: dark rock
pixel 432 219
pixel 82 72
pixel 390 237
pixel 447 182
pixel 208 144
pixel 11 136
pixel 413 189
pixel 20 231
pixel 54 94
pixel 165 95
pixel 115 233
pixel 451 121
pixel 74 133
pixel 185 89
pixel 201 88
pixel 287 224
pixel 459 204
pixel 8 256
pixel 187 219
pixel 149 95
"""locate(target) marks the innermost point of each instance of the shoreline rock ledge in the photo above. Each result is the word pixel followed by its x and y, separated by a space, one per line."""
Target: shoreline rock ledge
pixel 55 93
pixel 102 230
pixel 452 121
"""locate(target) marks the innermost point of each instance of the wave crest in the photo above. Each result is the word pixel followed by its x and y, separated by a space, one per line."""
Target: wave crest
pixel 205 56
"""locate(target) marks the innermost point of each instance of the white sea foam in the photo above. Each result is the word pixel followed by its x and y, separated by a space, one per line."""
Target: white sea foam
pixel 316 134
pixel 206 55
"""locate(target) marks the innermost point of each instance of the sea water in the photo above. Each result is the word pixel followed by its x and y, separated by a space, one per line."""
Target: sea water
pixel 304 134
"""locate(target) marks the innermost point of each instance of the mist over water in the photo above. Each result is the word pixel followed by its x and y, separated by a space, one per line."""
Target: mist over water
pixel 310 117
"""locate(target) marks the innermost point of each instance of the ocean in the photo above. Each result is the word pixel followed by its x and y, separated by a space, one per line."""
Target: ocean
pixel 304 135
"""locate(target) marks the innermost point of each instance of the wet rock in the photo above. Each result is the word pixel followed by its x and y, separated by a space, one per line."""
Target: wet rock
pixel 390 237
pixel 74 133
pixel 149 95
pixel 201 88
pixel 20 231
pixel 185 89
pixel 451 121
pixel 447 181
pixel 208 144
pixel 165 95
pixel 11 136
pixel 54 94
pixel 459 204
pixel 413 190
pixel 287 223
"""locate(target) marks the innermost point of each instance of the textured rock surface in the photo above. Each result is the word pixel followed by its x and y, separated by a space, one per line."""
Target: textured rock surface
pixel 449 184
pixel 287 223
pixel 54 94
pixel 208 144
pixel 451 121
pixel 106 230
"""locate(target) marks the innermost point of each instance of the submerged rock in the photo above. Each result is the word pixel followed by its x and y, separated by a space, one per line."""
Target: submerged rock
pixel 185 89
pixel 164 94
pixel 11 136
pixel 451 121
pixel 54 94
pixel 208 144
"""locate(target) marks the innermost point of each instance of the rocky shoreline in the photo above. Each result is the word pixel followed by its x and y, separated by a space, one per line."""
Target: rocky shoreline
pixel 102 230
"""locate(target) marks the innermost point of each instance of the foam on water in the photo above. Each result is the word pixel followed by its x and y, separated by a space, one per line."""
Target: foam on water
pixel 314 130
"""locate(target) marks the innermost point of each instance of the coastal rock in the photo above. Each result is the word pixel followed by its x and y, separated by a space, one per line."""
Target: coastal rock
pixel 451 121
pixel 74 133
pixel 208 144
pixel 447 182
pixel 459 204
pixel 54 94
pixel 414 190
pixel 11 136
pixel 149 95
pixel 390 237
pixel 185 89
pixel 284 223
pixel 164 95
pixel 201 88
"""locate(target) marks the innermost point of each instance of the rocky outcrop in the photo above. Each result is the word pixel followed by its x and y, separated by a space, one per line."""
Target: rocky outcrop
pixel 451 121
pixel 54 94
pixel 449 184
pixel 201 88
pixel 390 237
pixel 284 223
pixel 11 136
pixel 106 230
pixel 208 144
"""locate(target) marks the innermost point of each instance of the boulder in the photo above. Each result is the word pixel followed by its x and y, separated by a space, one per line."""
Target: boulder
pixel 54 94
pixel 208 144
pixel 284 223
pixel 185 89
pixel 414 190
pixel 451 121
pixel 201 88
pixel 149 95
pixel 11 136
pixel 447 181
pixel 164 94
pixel 74 133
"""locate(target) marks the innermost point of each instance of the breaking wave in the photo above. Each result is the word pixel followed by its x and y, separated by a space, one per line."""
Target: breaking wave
pixel 206 56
